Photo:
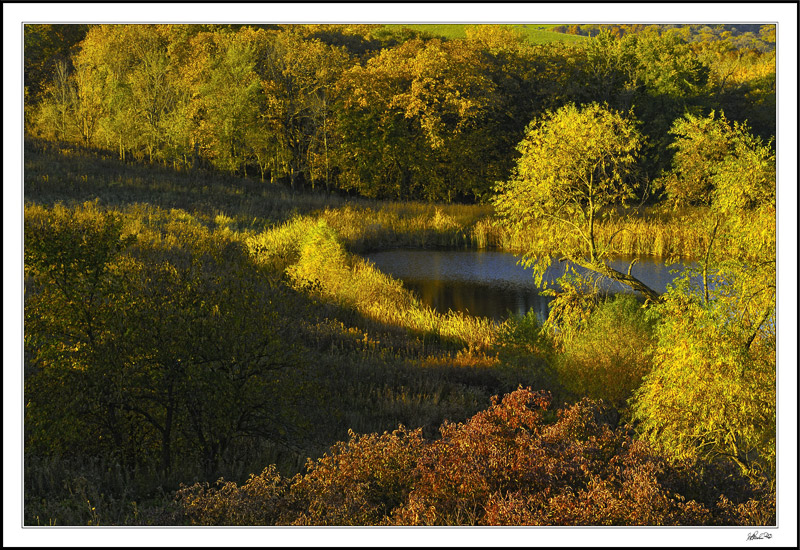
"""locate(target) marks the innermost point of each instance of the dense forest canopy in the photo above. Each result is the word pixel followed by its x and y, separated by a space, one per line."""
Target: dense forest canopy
pixel 383 111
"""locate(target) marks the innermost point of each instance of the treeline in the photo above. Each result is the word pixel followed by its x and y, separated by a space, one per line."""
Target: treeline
pixel 380 111
pixel 754 37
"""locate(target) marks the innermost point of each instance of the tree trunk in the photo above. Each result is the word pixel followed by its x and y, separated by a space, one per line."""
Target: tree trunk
pixel 624 278
pixel 166 444
pixel 761 321
pixel 325 140
pixel 195 157
pixel 592 246
pixel 705 262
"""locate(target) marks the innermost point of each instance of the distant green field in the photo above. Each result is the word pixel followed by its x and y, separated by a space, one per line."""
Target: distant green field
pixel 536 33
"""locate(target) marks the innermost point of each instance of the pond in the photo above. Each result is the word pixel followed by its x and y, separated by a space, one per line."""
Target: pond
pixel 491 284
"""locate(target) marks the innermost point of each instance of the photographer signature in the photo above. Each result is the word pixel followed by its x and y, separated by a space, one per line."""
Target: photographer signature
pixel 755 535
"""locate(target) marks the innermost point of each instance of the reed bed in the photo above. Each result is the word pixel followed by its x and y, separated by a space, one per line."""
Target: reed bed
pixel 365 228
pixel 368 227
pixel 665 235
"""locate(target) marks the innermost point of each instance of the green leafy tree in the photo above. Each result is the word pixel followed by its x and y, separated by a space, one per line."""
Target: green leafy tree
pixel 197 359
pixel 576 167
pixel 656 75
pixel 120 87
pixel 672 81
pixel 67 258
pixel 94 84
pixel 669 68
pixel 611 67
pixel 230 102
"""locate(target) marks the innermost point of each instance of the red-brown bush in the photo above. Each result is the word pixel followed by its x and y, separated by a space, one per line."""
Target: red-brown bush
pixel 512 464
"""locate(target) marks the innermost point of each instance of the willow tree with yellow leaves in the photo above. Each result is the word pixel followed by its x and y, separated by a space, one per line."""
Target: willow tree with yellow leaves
pixel 577 166
pixel 712 392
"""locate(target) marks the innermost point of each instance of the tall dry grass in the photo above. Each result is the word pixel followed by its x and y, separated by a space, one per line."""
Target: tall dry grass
pixel 54 173
pixel 315 259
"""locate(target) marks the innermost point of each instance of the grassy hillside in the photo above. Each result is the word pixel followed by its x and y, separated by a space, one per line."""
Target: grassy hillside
pixel 536 33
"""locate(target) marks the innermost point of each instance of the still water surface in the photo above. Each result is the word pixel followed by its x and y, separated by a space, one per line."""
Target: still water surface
pixel 490 283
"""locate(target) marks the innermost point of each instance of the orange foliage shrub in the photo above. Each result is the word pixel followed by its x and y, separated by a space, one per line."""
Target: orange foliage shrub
pixel 512 464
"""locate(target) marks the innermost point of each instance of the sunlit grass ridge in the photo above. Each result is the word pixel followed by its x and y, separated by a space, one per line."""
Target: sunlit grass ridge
pixel 315 260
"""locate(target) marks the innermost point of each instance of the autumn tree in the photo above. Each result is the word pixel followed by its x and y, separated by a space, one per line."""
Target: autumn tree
pixel 450 97
pixel 711 393
pixel 443 113
pixel 381 150
pixel 384 111
pixel 741 82
pixel 700 144
pixel 47 47
pixel 576 167
pixel 155 349
pixel 522 78
pixel 54 116
pixel 722 166
pixel 91 105
pixel 298 78
pixel 197 369
pixel 359 40
pixel 126 95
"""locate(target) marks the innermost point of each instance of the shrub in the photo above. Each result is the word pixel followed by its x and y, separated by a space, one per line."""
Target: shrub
pixel 259 501
pixel 361 481
pixel 608 358
pixel 508 465
pixel 526 353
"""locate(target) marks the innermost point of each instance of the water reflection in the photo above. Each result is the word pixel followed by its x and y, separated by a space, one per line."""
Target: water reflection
pixel 490 283
pixel 479 299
